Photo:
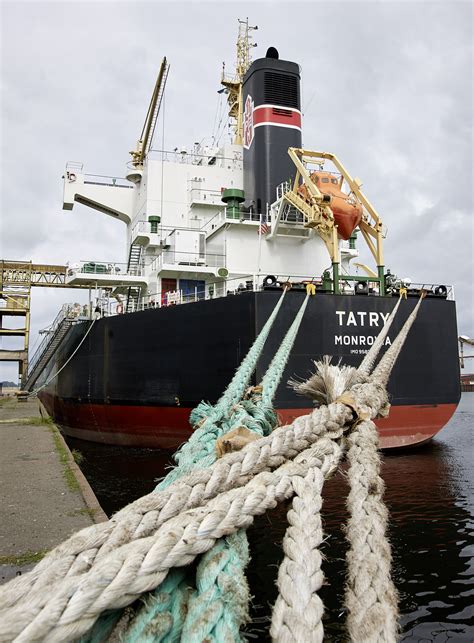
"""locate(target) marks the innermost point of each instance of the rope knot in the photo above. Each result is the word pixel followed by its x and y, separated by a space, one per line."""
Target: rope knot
pixel 234 440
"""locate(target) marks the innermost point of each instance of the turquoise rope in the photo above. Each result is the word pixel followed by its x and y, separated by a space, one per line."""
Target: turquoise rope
pixel 218 607
pixel 198 449
pixel 164 613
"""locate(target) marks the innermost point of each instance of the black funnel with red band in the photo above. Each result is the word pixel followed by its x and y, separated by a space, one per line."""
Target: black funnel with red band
pixel 272 124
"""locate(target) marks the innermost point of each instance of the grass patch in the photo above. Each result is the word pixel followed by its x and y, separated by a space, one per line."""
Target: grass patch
pixel 30 421
pixel 23 559
pixel 64 458
pixel 77 456
pixel 35 421
pixel 82 512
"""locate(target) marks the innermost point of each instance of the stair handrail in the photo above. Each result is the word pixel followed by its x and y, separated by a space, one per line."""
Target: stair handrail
pixel 63 313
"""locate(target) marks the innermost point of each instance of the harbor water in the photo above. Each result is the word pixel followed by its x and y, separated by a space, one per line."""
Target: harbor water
pixel 430 496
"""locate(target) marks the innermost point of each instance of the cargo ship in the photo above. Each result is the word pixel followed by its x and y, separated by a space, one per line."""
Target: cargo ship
pixel 214 233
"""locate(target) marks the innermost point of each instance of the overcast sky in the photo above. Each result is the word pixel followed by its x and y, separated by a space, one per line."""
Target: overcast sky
pixel 387 86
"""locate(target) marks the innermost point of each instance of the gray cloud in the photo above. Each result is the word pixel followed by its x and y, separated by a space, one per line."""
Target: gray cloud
pixel 387 87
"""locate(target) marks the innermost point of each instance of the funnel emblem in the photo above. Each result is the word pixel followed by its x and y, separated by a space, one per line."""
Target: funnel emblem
pixel 248 122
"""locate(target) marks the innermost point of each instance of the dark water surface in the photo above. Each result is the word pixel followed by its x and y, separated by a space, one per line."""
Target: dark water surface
pixel 429 493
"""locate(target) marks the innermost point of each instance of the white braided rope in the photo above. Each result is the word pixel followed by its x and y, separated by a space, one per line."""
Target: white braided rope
pixel 108 566
pixel 71 607
pixel 371 597
pixel 298 611
pixel 143 517
pixel 88 578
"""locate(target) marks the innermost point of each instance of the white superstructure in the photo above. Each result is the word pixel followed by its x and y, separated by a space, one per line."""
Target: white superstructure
pixel 182 237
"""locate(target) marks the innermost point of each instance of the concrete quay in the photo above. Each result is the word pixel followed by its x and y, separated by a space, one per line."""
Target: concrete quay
pixel 44 497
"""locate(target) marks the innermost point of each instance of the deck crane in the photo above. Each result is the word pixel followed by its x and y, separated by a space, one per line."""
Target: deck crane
pixel 148 130
pixel 463 339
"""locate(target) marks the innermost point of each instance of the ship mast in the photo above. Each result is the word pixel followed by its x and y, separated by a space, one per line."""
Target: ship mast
pixel 234 84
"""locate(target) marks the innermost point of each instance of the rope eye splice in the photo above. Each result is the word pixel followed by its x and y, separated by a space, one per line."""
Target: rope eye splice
pixel 205 504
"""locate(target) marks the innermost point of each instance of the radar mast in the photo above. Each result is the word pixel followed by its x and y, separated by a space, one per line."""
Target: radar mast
pixel 234 84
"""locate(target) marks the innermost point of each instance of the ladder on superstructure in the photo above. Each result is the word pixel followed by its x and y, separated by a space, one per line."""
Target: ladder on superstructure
pixel 133 268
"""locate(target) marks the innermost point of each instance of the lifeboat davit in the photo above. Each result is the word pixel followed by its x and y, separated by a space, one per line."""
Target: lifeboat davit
pixel 346 209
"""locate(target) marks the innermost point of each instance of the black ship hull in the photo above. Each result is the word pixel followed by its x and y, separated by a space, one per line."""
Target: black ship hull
pixel 136 377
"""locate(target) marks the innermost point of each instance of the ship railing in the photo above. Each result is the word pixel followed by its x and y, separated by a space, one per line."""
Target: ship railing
pixel 172 257
pixel 104 268
pixel 370 285
pixel 148 228
pixel 76 167
pixel 198 157
pixel 215 290
pixel 201 196
pixel 219 288
pixel 283 188
pixel 227 215
pixel 110 181
pixel 211 290
pixel 67 311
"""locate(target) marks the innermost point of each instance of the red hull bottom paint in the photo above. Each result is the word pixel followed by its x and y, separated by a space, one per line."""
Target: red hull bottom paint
pixel 168 427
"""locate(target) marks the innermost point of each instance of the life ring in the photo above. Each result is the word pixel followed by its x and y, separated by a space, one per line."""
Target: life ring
pixel 270 280
pixel 119 309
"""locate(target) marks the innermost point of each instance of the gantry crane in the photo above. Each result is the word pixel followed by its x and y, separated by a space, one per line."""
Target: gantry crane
pixel 16 281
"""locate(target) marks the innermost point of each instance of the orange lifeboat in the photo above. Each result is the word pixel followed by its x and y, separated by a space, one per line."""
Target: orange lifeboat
pixel 346 209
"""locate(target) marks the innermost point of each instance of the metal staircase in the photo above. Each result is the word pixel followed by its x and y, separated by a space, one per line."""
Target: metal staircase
pixel 134 268
pixel 134 259
pixel 59 329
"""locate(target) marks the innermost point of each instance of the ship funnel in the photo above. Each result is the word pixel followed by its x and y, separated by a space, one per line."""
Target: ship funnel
pixel 271 124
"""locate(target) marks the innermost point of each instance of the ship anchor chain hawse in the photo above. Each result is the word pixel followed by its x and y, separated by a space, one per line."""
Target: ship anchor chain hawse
pixel 214 235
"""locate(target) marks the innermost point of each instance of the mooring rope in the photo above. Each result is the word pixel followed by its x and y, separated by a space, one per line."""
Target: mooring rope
pixel 218 607
pixel 371 597
pixel 108 565
pixel 71 605
pixel 209 422
pixel 298 611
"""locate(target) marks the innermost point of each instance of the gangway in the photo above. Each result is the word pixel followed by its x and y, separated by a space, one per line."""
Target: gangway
pixel 67 316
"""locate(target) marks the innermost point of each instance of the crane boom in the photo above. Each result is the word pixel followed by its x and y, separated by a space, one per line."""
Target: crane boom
pixel 148 130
